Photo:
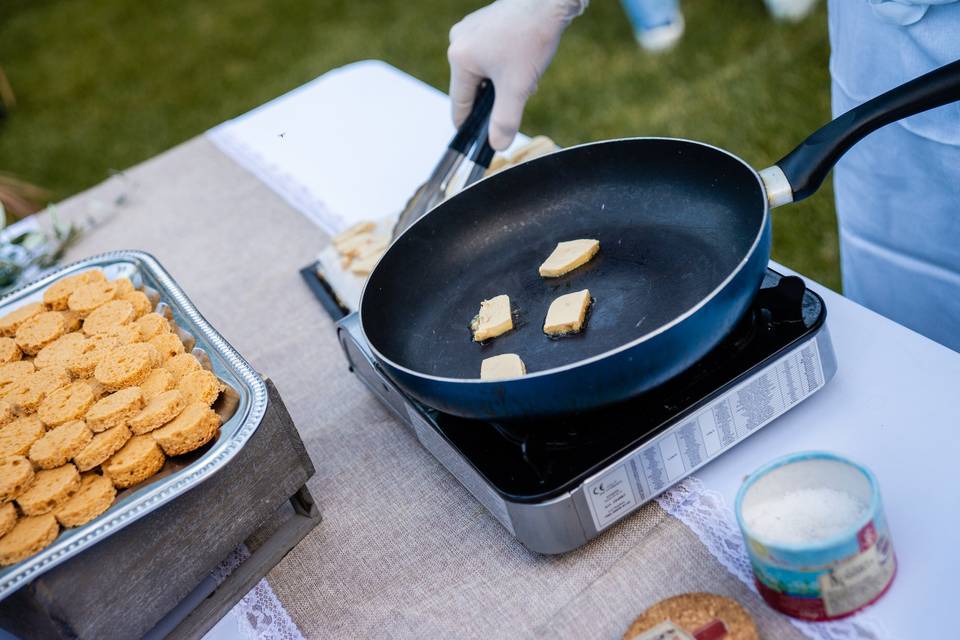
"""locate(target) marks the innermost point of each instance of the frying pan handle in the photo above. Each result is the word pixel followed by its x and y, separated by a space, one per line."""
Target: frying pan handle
pixel 800 173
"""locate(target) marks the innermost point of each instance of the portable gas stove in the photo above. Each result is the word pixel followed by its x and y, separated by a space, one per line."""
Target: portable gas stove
pixel 557 483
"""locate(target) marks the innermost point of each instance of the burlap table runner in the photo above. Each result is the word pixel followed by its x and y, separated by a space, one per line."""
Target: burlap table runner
pixel 403 550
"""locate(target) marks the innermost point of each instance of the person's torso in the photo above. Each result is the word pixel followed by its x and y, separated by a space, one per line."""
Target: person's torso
pixel 879 44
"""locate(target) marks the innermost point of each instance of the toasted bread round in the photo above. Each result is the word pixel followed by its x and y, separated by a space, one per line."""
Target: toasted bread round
pixel 152 325
pixel 126 366
pixel 115 409
pixel 141 303
pixel 8 518
pixel 136 461
pixel 66 403
pixel 162 409
pixel 13 372
pixel 101 447
pixel 49 490
pixel 17 437
pixel 62 351
pixel 88 297
pixel 42 329
pixel 182 364
pixel 27 394
pixel 12 321
pixel 196 425
pixel 28 536
pixel 158 381
pixel 95 495
pixel 59 445
pixel 9 351
pixel 200 386
pixel 107 316
pixel 57 294
pixel 168 344
pixel 16 474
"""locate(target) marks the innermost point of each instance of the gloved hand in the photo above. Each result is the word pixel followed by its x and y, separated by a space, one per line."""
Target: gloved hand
pixel 511 42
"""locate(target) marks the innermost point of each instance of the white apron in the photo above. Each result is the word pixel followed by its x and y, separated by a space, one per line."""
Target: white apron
pixel 898 191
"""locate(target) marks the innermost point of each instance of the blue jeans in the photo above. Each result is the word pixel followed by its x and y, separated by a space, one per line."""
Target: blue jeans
pixel 648 14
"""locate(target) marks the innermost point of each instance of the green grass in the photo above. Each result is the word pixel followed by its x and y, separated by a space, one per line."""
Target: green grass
pixel 104 85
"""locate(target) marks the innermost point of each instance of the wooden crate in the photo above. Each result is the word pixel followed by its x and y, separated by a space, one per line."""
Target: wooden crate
pixel 153 577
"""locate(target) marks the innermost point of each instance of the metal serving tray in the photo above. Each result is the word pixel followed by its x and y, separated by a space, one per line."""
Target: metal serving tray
pixel 245 401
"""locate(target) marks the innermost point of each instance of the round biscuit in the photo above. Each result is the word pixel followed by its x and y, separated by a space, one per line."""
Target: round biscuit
pixel 118 335
pixel 103 445
pixel 59 445
pixel 115 409
pixel 95 495
pixel 71 321
pixel 136 461
pixel 12 321
pixel 141 303
pixel 182 364
pixel 196 425
pixel 9 351
pixel 57 294
pixel 98 346
pixel 40 330
pixel 28 536
pixel 50 489
pixel 62 350
pixel 13 372
pixel 126 366
pixel 88 297
pixel 66 403
pixel 200 386
pixel 8 518
pixel 168 344
pixel 107 316
pixel 27 394
pixel 17 437
pixel 152 325
pixel 162 409
pixel 6 412
pixel 124 287
pixel 16 474
pixel 158 381
pixel 99 390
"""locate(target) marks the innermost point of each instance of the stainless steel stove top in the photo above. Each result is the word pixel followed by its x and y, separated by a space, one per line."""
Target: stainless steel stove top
pixel 557 483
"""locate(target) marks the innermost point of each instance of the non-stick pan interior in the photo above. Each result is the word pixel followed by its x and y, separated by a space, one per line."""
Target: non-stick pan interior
pixel 674 219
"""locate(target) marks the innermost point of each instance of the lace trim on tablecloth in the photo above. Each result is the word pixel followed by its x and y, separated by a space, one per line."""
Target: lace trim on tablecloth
pixel 706 513
pixel 260 614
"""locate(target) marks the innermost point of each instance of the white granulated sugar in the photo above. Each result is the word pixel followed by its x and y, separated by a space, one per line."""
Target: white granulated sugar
pixel 804 515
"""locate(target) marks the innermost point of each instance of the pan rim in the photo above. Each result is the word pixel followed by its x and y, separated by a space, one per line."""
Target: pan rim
pixel 610 352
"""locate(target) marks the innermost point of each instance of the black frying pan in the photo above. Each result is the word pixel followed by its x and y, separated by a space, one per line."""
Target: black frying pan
pixel 684 231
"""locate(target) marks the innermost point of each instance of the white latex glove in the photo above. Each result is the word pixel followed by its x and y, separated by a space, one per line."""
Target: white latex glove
pixel 511 42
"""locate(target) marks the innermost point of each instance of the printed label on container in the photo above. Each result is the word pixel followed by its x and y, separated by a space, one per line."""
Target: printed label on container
pixel 856 582
pixel 698 438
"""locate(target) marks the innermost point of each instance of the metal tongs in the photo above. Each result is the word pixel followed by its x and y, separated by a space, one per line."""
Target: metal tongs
pixel 470 143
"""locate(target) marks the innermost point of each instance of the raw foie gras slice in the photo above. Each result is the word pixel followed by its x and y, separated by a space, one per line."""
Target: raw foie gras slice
pixel 494 318
pixel 568 256
pixel 567 313
pixel 506 365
